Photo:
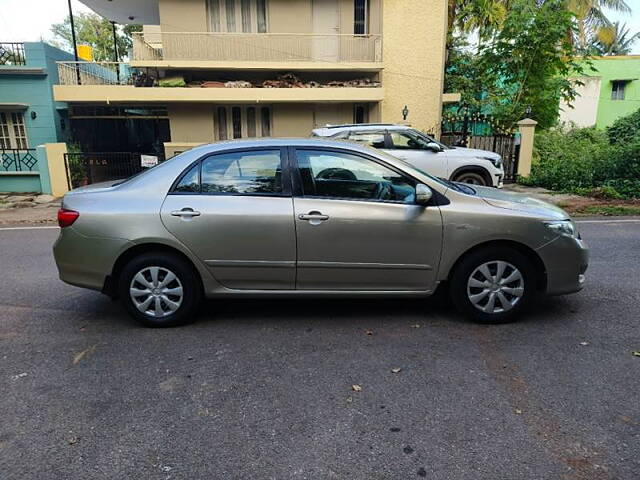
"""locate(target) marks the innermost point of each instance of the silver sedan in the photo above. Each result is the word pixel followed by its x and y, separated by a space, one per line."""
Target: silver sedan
pixel 310 217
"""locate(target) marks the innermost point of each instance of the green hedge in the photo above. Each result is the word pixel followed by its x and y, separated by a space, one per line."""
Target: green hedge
pixel 590 161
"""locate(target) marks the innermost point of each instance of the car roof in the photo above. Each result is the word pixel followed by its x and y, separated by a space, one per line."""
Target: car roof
pixel 282 142
pixel 331 130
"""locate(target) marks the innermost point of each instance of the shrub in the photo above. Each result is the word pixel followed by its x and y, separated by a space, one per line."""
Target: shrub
pixel 625 129
pixel 570 160
pixel 625 187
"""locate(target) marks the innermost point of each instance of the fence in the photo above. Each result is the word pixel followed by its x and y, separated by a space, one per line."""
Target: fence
pixel 260 47
pixel 94 73
pixel 12 53
pixel 18 160
pixel 484 133
pixel 86 168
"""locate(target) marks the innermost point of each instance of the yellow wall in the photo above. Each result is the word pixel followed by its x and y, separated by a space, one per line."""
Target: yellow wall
pixel 191 123
pixel 414 34
pixel 289 16
pixel 183 15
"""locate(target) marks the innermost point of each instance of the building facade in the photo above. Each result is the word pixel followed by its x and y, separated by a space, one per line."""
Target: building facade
pixel 608 89
pixel 29 115
pixel 221 69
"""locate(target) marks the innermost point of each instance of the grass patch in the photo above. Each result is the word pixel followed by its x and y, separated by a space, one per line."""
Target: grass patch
pixel 609 210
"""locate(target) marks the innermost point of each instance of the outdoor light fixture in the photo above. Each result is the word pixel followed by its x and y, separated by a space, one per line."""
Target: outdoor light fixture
pixel 405 112
pixel 33 115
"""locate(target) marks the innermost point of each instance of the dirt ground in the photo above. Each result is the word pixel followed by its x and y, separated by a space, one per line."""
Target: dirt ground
pixel 40 215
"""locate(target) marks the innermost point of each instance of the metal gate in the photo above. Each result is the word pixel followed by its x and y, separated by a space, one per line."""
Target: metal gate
pixel 484 133
pixel 85 168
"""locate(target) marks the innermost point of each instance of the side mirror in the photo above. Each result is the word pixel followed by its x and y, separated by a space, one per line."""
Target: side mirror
pixel 433 146
pixel 423 194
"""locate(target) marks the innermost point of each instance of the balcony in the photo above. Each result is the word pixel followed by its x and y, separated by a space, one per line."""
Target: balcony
pixel 291 51
pixel 119 82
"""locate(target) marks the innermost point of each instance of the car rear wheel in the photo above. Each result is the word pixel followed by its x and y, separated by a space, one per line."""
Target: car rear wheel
pixel 473 178
pixel 493 285
pixel 160 290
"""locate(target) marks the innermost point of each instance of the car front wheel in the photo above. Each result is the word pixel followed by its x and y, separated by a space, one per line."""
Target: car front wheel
pixel 160 290
pixel 493 285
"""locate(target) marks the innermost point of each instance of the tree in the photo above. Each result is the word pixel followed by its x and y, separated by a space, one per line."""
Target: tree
pixel 591 19
pixel 96 31
pixel 528 62
pixel 613 40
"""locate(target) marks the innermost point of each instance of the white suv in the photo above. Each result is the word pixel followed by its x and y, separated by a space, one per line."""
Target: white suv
pixel 466 165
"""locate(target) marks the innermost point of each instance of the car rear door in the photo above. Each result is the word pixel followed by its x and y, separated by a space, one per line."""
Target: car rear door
pixel 358 227
pixel 235 212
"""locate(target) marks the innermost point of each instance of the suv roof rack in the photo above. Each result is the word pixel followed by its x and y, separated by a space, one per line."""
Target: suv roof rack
pixel 361 125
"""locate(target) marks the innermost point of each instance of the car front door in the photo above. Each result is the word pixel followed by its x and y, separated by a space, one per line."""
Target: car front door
pixel 412 148
pixel 358 226
pixel 234 211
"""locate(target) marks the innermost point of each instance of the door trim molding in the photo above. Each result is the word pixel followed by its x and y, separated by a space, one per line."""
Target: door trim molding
pixel 252 263
pixel 390 266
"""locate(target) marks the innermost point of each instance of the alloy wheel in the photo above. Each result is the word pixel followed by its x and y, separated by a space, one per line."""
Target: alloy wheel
pixel 495 287
pixel 156 291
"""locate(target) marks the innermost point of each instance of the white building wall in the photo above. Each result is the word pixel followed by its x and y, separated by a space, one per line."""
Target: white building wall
pixel 585 105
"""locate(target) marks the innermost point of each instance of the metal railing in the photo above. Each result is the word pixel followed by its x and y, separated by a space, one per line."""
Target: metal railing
pixel 12 53
pixel 18 160
pixel 94 73
pixel 85 168
pixel 259 47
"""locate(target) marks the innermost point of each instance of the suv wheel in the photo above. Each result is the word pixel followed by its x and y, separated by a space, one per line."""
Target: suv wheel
pixel 160 290
pixel 493 285
pixel 473 178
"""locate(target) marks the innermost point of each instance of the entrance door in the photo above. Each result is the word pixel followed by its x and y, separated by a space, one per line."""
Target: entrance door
pixel 234 211
pixel 358 226
pixel 326 26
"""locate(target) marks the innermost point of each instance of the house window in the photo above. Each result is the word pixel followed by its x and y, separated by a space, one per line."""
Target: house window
pixel 360 17
pixel 246 16
pixel 12 131
pixel 242 122
pixel 617 89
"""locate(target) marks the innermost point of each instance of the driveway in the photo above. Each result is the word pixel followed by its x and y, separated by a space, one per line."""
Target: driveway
pixel 263 389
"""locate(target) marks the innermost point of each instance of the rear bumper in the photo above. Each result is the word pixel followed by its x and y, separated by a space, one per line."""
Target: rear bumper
pixel 86 261
pixel 566 261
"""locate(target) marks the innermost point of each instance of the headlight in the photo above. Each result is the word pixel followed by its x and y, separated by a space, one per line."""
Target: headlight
pixel 497 162
pixel 563 227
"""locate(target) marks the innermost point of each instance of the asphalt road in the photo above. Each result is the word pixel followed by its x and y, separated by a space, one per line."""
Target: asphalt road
pixel 263 389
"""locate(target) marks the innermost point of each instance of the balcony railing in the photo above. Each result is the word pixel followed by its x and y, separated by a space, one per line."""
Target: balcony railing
pixel 258 47
pixel 18 160
pixel 95 73
pixel 12 53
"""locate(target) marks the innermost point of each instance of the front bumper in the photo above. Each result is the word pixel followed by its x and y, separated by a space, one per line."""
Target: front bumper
pixel 86 261
pixel 566 260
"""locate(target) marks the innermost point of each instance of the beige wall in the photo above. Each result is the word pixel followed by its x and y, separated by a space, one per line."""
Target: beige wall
pixel 289 16
pixel 413 53
pixel 585 106
pixel 191 123
pixel 183 15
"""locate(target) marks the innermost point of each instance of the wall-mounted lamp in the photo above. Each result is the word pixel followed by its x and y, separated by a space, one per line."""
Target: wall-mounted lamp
pixel 405 113
pixel 34 115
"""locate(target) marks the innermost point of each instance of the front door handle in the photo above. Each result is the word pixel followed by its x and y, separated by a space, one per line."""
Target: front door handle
pixel 185 212
pixel 314 217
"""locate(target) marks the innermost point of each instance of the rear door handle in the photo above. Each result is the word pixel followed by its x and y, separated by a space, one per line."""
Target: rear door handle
pixel 185 212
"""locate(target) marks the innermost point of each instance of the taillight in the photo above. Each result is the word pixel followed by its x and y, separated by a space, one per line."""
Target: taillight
pixel 67 217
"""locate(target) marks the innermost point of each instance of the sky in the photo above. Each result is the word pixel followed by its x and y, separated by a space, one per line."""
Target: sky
pixel 29 20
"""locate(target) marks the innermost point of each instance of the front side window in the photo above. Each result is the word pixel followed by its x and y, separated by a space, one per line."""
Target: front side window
pixel 343 175
pixel 407 141
pixel 373 139
pixel 251 172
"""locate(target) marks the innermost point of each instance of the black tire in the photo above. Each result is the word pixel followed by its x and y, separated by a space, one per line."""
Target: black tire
pixel 472 178
pixel 187 278
pixel 467 266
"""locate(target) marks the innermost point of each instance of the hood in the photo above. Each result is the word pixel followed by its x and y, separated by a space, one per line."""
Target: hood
pixel 470 152
pixel 95 187
pixel 520 202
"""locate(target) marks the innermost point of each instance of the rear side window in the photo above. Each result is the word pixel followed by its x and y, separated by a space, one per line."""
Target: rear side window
pixel 190 182
pixel 252 172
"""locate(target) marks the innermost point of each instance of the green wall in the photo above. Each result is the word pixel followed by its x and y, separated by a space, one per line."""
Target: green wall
pixel 616 68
